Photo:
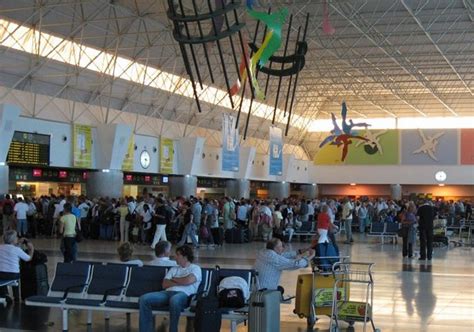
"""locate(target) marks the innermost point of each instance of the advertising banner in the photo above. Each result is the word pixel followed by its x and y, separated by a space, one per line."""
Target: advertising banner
pixel 127 164
pixel 230 144
pixel 166 155
pixel 276 151
pixel 82 146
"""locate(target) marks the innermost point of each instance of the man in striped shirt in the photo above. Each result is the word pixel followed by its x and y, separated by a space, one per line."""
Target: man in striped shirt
pixel 273 260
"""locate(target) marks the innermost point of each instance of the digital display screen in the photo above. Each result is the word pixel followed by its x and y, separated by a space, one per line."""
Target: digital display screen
pixel 165 179
pixel 37 173
pixel 62 174
pixel 29 149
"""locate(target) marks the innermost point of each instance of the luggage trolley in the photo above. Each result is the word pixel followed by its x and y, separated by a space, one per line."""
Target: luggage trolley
pixel 346 273
pixel 314 291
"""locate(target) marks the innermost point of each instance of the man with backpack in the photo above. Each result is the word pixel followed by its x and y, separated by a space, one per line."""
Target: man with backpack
pixel 7 212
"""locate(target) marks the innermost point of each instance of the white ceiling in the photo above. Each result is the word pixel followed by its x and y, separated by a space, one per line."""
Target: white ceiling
pixel 387 58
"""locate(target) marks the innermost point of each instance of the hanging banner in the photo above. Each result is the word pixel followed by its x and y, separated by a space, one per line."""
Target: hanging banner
pixel 82 146
pixel 276 151
pixel 127 164
pixel 230 144
pixel 166 155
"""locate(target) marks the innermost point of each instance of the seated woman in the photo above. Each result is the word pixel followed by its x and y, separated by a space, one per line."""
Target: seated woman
pixel 10 255
pixel 289 226
pixel 125 251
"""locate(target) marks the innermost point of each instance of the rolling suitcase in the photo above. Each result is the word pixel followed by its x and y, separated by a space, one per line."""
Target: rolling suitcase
pixel 264 311
pixel 218 235
pixel 33 280
pixel 322 301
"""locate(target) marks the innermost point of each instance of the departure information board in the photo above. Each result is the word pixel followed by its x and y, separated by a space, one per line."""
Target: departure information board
pixel 29 149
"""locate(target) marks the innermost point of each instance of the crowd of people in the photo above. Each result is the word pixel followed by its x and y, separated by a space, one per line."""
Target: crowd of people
pixel 155 221
pixel 148 219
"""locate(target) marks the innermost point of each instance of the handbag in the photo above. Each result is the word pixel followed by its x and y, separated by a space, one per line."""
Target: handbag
pixel 79 235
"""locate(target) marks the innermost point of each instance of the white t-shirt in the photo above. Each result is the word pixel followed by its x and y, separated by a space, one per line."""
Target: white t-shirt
pixel 162 261
pixel 10 256
pixel 21 208
pixel 180 272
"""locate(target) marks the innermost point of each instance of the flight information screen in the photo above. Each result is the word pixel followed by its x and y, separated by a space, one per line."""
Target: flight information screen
pixel 29 149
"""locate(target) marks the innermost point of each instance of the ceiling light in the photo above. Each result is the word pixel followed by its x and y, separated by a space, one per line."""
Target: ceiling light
pixel 36 42
pixel 353 184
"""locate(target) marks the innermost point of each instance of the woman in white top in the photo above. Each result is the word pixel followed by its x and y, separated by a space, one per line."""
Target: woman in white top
pixel 146 213
pixel 10 255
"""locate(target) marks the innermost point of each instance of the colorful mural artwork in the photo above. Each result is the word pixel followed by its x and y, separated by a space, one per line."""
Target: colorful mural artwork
pixel 467 146
pixel 345 137
pixel 380 148
pixel 429 146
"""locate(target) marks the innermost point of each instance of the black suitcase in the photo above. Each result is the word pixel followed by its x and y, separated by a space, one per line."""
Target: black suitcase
pixel 208 316
pixel 33 279
pixel 94 230
pixel 218 235
pixel 236 235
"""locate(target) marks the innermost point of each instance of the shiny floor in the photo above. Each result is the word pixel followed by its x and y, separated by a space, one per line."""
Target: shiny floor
pixel 408 295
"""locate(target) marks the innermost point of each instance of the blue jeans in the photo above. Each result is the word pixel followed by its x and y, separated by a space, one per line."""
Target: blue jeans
pixel 189 230
pixel 362 224
pixel 22 227
pixel 69 249
pixel 176 301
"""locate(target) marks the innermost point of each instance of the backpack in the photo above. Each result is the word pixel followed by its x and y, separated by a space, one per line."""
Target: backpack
pixel 326 255
pixel 7 209
pixel 231 298
pixel 231 292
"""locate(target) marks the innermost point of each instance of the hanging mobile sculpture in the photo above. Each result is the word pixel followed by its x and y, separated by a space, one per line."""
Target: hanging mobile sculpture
pixel 189 25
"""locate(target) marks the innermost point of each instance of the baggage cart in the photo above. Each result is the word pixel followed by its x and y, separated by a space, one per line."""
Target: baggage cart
pixel 346 273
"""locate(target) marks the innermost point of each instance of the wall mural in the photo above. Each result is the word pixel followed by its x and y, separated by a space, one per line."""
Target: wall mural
pixel 354 143
pixel 429 146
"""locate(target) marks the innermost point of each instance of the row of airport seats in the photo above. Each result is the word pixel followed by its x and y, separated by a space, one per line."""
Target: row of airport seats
pixel 112 288
pixel 385 230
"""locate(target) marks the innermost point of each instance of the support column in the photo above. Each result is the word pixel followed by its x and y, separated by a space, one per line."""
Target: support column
pixel 279 189
pixel 105 184
pixel 238 188
pixel 183 185
pixel 396 191
pixel 4 179
pixel 310 191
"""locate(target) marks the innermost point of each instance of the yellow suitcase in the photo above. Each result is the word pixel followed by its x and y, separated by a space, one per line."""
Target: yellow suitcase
pixel 323 292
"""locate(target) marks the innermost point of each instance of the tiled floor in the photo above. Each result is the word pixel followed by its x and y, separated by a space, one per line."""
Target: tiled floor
pixel 409 296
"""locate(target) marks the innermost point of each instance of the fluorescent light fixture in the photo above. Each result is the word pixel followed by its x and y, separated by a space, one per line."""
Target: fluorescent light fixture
pixel 2 163
pixel 187 175
pixel 283 182
pixel 401 123
pixel 441 184
pixel 353 184
pixel 25 39
pixel 105 170
pixel 314 184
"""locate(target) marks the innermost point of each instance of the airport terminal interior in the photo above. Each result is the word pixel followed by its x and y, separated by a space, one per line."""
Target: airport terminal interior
pixel 253 132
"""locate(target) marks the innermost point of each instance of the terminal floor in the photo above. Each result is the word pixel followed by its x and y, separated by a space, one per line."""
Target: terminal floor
pixel 408 295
